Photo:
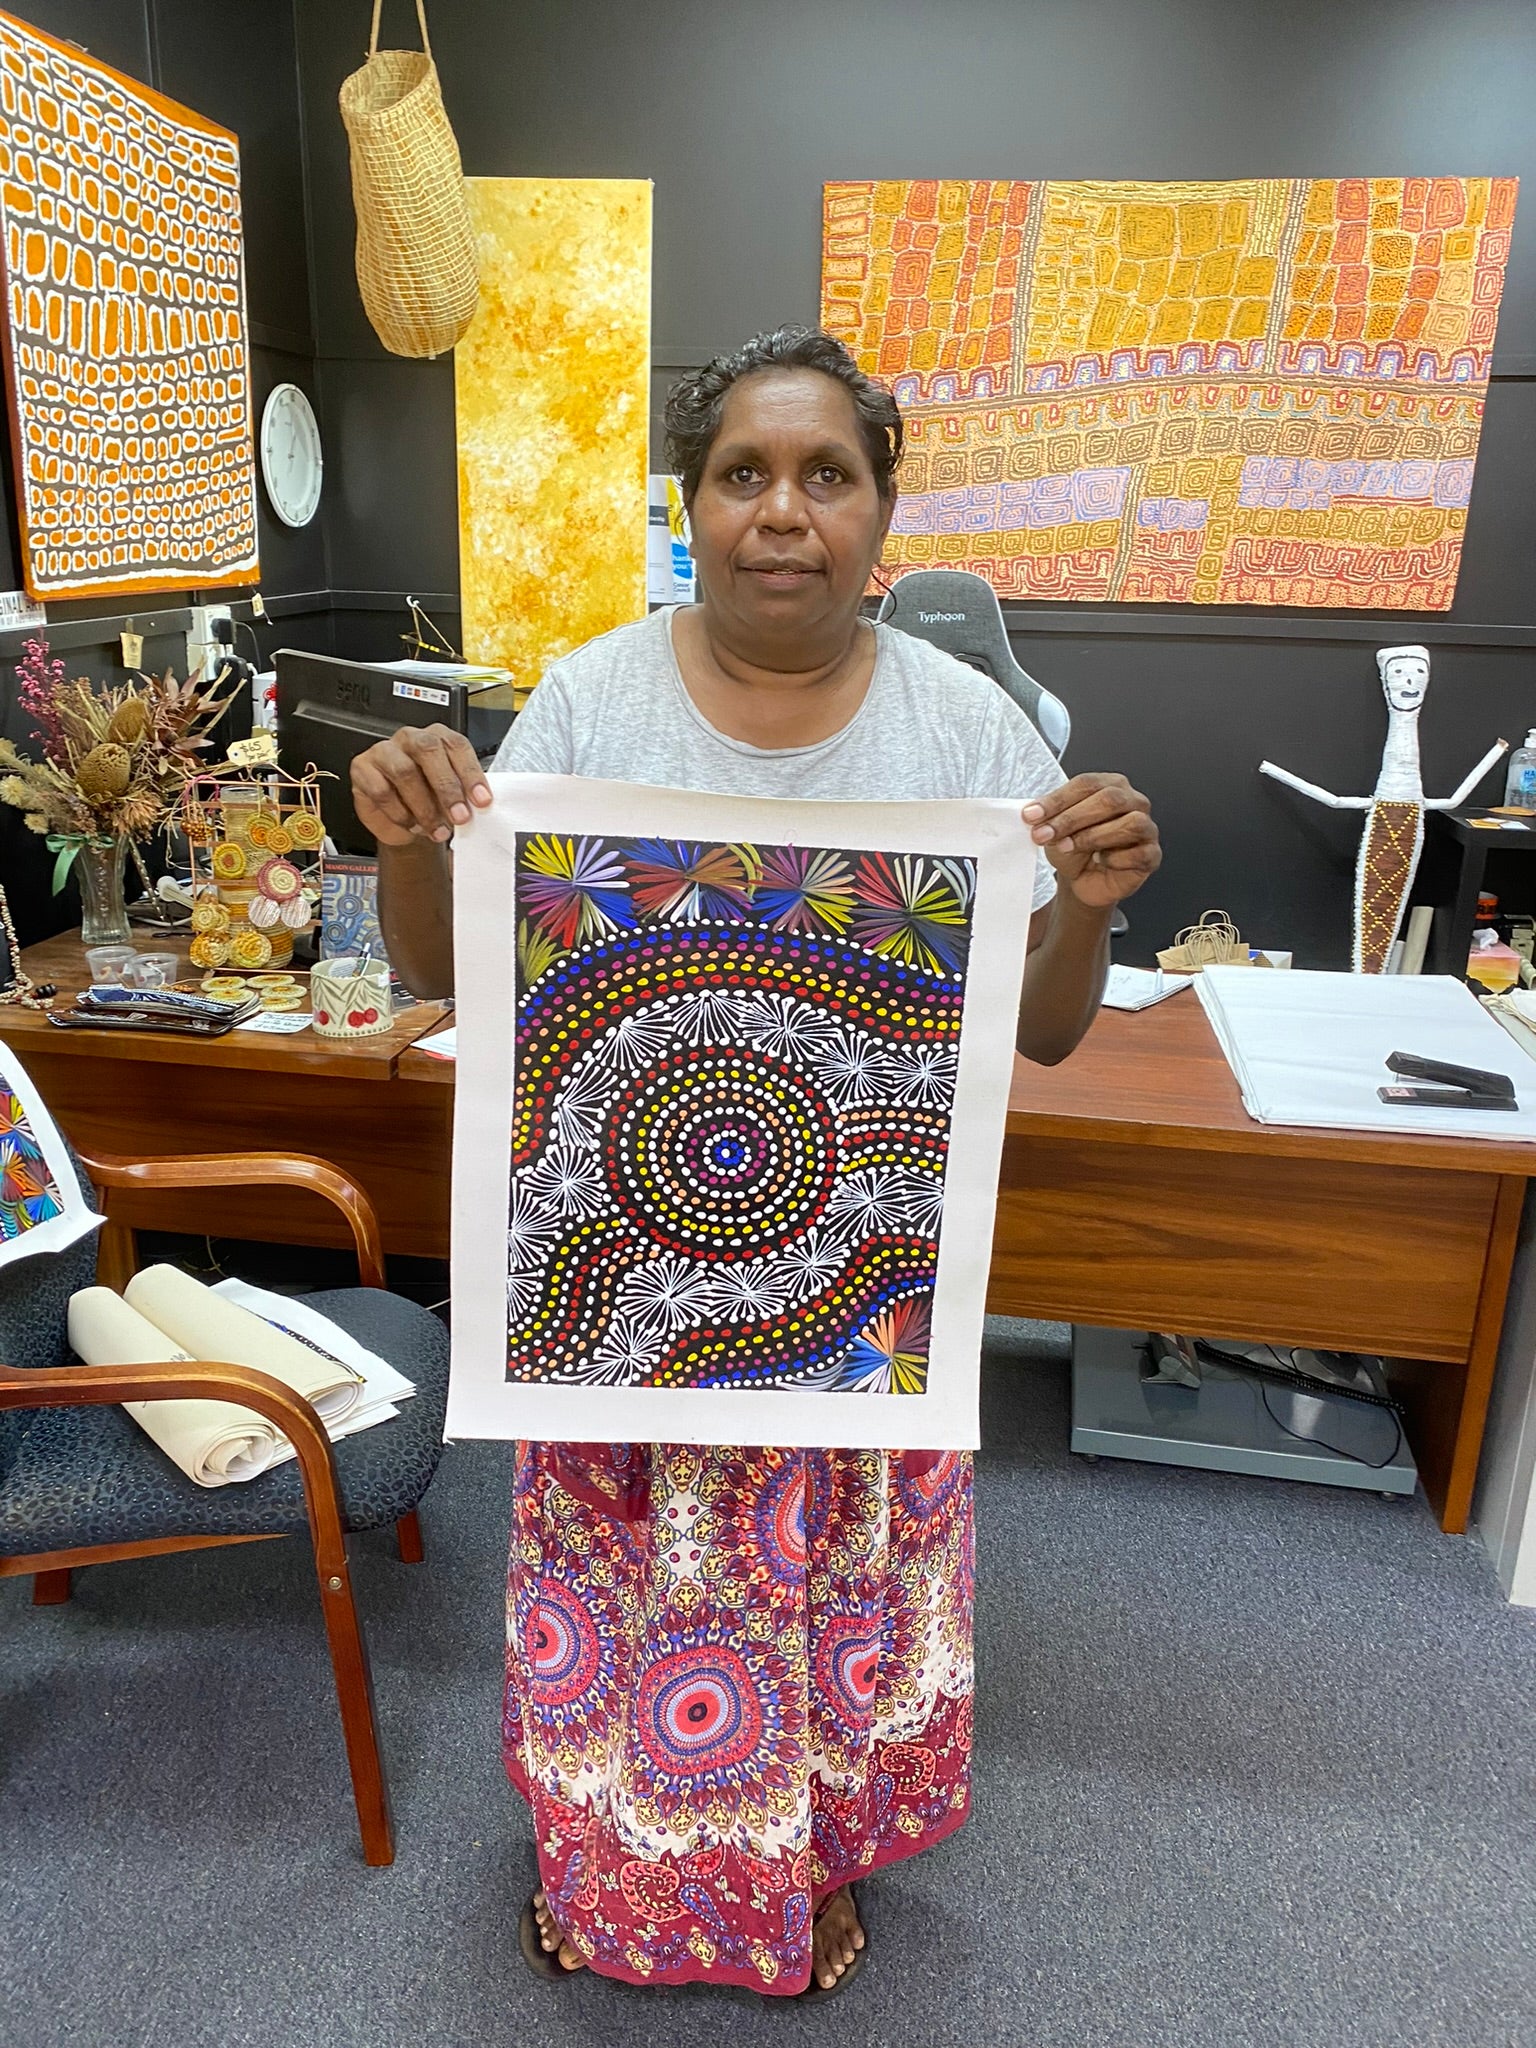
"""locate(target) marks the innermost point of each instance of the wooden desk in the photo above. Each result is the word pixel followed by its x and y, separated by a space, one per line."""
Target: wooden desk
pixel 1137 1192
pixel 154 1095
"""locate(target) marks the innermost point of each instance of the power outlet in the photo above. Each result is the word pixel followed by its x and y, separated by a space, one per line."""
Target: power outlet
pixel 203 651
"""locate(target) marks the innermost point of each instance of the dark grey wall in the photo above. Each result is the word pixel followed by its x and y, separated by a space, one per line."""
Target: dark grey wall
pixel 740 113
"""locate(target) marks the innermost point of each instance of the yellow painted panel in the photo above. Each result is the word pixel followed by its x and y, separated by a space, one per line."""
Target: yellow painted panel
pixel 552 384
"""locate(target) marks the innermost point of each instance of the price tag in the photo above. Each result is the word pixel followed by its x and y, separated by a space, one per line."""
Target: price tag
pixel 259 751
pixel 258 609
pixel 133 649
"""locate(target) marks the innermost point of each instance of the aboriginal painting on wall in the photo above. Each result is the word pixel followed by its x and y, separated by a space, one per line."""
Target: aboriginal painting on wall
pixel 1252 391
pixel 126 346
pixel 552 384
pixel 737 1122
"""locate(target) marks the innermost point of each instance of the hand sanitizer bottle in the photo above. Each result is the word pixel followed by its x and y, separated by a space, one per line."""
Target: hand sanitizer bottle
pixel 1520 783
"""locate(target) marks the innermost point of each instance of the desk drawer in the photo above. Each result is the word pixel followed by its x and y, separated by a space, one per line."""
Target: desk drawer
pixel 1312 1252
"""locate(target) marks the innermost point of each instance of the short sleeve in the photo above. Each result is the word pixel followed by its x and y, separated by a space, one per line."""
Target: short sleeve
pixel 540 742
pixel 1014 761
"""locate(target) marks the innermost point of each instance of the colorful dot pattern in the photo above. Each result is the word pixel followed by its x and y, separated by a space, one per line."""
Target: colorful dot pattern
pixel 760 1117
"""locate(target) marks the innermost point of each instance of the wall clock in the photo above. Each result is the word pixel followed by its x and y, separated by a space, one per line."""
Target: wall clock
pixel 291 462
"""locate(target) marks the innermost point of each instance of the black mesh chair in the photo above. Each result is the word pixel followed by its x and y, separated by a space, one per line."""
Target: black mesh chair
pixel 81 1483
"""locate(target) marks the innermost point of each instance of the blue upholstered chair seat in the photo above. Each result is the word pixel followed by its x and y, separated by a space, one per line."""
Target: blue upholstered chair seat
pixel 72 1477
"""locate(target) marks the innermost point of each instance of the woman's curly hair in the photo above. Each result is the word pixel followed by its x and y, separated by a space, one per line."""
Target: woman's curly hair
pixel 694 405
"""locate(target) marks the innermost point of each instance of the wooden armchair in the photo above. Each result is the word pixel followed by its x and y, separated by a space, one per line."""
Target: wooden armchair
pixel 81 1484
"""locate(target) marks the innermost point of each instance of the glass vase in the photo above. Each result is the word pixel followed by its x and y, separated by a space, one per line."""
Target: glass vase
pixel 103 913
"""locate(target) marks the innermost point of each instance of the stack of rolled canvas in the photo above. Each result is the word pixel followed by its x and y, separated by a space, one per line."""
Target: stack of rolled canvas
pixel 165 1316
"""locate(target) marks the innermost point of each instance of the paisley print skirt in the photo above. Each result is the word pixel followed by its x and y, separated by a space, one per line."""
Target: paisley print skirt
pixel 736 1679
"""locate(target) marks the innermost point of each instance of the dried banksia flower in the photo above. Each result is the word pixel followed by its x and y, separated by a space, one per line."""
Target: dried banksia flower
pixel 105 772
pixel 129 722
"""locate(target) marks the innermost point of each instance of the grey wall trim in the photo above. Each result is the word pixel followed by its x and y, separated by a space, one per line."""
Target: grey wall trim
pixel 281 340
pixel 99 632
pixel 1080 622
pixel 1324 627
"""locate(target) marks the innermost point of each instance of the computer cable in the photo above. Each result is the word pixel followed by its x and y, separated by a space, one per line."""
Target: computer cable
pixel 1301 1382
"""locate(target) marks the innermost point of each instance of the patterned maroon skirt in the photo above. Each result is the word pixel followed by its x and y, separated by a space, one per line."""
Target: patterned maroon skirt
pixel 736 1679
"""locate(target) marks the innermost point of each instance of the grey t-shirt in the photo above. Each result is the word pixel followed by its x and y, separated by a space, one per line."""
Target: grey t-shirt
pixel 618 709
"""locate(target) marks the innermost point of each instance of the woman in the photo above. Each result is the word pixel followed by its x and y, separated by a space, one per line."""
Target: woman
pixel 823 1596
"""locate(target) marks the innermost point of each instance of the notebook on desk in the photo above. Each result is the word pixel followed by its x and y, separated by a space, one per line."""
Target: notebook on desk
pixel 1312 1049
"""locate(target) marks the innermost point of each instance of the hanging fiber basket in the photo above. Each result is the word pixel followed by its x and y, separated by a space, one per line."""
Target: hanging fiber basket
pixel 416 263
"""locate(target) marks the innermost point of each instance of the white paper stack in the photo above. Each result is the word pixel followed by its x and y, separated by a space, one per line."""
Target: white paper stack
pixel 1312 1049
pixel 382 1385
pixel 1137 988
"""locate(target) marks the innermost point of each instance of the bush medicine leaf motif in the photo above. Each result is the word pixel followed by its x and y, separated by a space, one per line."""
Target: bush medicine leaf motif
pixel 574 889
pixel 890 1355
pixel 804 889
pixel 909 911
pixel 688 884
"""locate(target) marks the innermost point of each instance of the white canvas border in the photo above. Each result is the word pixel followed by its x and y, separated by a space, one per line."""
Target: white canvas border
pixel 481 1401
pixel 76 1217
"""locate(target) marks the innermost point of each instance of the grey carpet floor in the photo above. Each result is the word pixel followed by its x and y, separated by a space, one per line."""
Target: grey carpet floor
pixel 1253 1770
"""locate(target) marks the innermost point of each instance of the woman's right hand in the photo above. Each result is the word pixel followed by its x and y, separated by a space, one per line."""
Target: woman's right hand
pixel 418 784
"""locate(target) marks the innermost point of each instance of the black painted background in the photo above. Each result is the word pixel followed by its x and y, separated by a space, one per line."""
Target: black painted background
pixel 739 113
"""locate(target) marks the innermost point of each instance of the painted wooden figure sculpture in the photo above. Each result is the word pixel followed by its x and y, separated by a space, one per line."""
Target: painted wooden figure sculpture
pixel 1394 825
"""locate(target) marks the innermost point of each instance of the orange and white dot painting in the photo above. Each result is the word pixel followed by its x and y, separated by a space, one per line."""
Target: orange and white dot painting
pixel 126 347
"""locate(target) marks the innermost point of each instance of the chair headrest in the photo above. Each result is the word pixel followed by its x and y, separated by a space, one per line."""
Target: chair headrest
pixel 959 611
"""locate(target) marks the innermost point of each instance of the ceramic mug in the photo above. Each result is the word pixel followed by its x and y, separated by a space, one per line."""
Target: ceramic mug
pixel 349 997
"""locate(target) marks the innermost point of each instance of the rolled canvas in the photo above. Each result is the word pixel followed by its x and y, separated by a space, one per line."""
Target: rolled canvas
pixel 216 1443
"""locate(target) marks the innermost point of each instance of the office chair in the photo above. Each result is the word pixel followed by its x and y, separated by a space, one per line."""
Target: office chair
pixel 81 1484
pixel 960 613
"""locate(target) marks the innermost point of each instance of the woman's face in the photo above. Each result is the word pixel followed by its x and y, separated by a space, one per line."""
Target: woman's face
pixel 787 521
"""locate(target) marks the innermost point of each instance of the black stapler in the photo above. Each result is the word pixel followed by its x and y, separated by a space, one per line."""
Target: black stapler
pixel 1453 1087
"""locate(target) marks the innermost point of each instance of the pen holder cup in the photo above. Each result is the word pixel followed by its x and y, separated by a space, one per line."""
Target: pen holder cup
pixel 349 997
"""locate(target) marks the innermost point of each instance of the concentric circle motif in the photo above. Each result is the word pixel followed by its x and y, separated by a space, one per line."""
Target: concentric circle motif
pixel 726 1151
pixel 847 1668
pixel 562 1645
pixel 781 1520
pixel 698 1712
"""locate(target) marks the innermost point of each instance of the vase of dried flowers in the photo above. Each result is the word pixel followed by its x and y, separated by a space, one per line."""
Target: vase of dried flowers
pixel 113 761
pixel 98 868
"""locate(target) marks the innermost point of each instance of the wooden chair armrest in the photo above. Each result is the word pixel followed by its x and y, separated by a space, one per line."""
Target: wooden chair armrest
pixel 100 1386
pixel 248 1170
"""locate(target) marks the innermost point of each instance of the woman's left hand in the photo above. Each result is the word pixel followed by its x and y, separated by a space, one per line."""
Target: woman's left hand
pixel 1097 833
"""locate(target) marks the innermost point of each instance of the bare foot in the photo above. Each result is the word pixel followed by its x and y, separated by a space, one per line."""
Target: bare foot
pixel 551 1940
pixel 835 1938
